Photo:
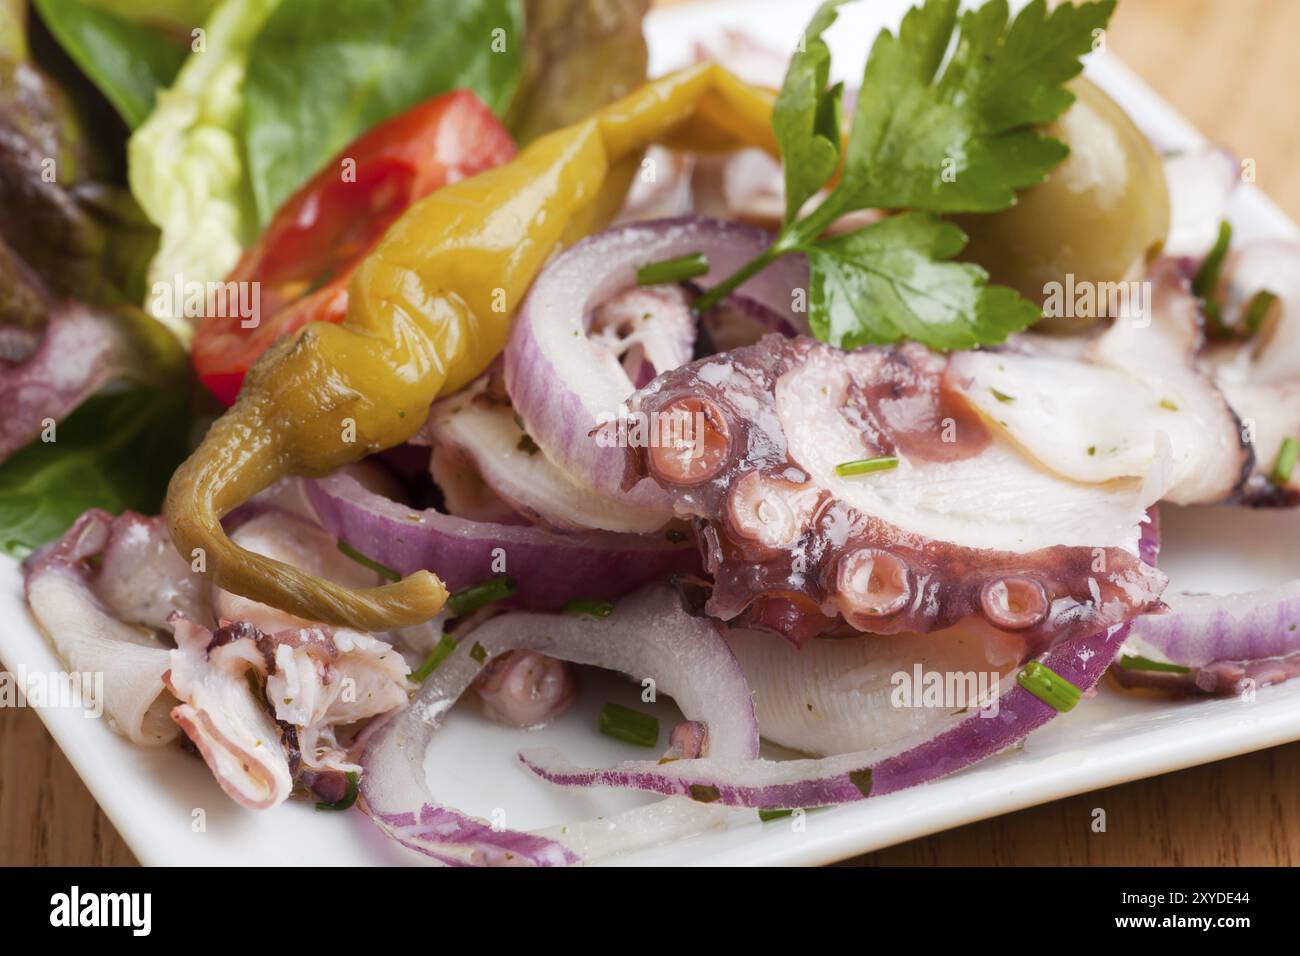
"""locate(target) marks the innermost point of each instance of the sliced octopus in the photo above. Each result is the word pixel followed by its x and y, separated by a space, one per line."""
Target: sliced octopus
pixel 966 527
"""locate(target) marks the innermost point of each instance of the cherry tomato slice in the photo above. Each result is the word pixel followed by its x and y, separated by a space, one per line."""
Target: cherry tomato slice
pixel 303 260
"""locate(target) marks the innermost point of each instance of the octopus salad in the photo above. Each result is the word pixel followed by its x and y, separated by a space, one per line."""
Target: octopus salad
pixel 774 393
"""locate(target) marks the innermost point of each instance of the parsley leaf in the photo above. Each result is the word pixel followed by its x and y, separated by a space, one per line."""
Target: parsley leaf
pixel 889 281
pixel 806 115
pixel 928 136
pixel 963 140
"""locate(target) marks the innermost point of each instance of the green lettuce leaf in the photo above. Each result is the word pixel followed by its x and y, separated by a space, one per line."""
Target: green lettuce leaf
pixel 128 62
pixel 172 14
pixel 322 72
pixel 116 452
pixel 186 162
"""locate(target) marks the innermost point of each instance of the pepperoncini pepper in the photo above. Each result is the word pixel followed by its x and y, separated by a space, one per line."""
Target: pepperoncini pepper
pixel 428 312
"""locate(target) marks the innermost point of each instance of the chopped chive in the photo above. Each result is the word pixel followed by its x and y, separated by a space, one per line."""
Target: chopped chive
pixel 1258 310
pixel 1136 662
pixel 348 798
pixel 704 793
pixel 1092 450
pixel 441 651
pixel 1048 686
pixel 864 465
pixel 631 725
pixel 472 598
pixel 1002 397
pixel 766 815
pixel 690 266
pixel 478 652
pixel 370 563
pixel 1214 321
pixel 1286 461
pixel 583 608
pixel 1207 276
pixel 862 780
pixel 1167 404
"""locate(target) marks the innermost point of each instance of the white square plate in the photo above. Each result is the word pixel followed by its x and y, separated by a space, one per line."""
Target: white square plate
pixel 152 796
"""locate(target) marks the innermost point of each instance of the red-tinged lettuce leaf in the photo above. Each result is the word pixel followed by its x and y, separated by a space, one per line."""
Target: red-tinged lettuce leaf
pixel 116 452
pixel 47 373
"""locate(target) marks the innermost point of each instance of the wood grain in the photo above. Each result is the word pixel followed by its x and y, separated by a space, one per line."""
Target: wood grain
pixel 1230 67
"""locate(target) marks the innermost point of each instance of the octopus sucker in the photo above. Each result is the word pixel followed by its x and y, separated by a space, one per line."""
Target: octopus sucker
pixel 795 547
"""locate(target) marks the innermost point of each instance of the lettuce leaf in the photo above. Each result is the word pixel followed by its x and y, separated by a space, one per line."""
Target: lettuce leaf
pixel 322 73
pixel 186 165
pixel 173 14
pixel 128 62
pixel 116 452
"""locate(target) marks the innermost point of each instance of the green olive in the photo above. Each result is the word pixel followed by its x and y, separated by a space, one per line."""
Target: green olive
pixel 1100 216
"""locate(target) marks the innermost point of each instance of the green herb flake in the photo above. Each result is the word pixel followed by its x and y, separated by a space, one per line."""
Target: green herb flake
pixel 1285 464
pixel 633 726
pixel 1002 397
pixel 478 652
pixel 769 815
pixel 384 572
pixel 1207 276
pixel 862 780
pixel 527 445
pixel 1257 310
pixel 441 651
pixel 1168 405
pixel 863 466
pixel 1048 686
pixel 579 607
pixel 690 266
pixel 472 598
pixel 1135 662
pixel 348 798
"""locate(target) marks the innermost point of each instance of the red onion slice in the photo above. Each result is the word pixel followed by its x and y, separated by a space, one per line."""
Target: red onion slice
pixel 563 387
pixel 1226 642
pixel 850 777
pixel 648 635
pixel 551 568
pixel 1201 629
pixel 520 473
pixel 1224 678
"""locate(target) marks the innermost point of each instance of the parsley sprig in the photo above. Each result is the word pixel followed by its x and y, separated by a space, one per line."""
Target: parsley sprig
pixel 932 134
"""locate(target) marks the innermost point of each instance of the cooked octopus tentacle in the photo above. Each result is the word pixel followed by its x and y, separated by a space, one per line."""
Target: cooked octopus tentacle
pixel 965 526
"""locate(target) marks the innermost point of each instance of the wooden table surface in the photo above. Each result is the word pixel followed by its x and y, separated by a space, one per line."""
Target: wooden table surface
pixel 1225 64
